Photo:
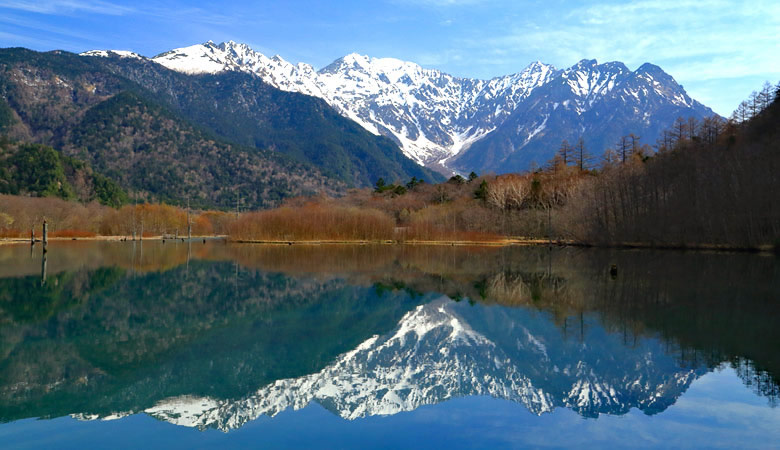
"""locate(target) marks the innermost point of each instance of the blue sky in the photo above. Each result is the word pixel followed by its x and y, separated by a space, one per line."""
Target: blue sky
pixel 719 50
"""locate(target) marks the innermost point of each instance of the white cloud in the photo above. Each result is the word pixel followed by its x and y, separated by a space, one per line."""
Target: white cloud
pixel 67 7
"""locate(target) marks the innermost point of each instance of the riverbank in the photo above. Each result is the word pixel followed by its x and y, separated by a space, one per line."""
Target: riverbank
pixel 498 242
pixel 7 241
pixel 520 242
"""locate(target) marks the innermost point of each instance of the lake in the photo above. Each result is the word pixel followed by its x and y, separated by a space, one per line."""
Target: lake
pixel 123 344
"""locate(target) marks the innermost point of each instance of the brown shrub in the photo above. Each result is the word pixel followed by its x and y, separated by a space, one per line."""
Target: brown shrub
pixel 314 222
pixel 72 234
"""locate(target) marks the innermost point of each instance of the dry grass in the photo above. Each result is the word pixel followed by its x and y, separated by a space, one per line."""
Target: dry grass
pixel 13 234
pixel 72 234
pixel 314 222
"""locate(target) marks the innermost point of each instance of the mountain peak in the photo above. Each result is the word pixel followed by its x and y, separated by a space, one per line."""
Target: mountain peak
pixel 586 63
pixel 112 53
pixel 615 66
pixel 356 58
pixel 650 68
pixel 539 64
pixel 433 116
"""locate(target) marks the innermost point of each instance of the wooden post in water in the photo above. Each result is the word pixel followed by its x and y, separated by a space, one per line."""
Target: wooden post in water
pixel 135 206
pixel 43 267
pixel 189 221
pixel 32 235
pixel 45 232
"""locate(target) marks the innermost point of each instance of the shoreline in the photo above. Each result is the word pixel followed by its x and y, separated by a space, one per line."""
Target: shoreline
pixel 11 241
pixel 507 242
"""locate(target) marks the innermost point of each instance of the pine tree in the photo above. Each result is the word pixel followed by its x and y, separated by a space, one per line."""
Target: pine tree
pixel 482 191
pixel 380 185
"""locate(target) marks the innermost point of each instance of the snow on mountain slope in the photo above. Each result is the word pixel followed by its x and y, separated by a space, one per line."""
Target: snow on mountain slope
pixel 596 102
pixel 436 117
pixel 109 53
pixel 432 115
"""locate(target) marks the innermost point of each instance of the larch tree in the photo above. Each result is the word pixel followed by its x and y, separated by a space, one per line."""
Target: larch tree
pixel 565 152
pixel 582 157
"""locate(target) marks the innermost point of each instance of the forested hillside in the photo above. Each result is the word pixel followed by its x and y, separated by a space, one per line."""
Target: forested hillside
pixel 241 108
pixel 712 182
pixel 34 169
pixel 175 137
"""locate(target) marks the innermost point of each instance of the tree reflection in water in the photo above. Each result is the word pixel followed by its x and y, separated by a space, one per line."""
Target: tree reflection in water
pixel 117 329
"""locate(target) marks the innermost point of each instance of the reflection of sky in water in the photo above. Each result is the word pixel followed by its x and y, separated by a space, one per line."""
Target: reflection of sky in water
pixel 717 410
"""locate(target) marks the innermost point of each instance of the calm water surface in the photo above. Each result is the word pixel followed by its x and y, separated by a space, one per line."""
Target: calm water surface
pixel 216 345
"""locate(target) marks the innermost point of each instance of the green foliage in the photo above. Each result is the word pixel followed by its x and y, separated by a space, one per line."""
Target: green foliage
pixel 108 192
pixel 473 176
pixel 38 170
pixel 456 179
pixel 6 115
pixel 42 171
pixel 170 160
pixel 482 190
pixel 413 183
pixel 381 187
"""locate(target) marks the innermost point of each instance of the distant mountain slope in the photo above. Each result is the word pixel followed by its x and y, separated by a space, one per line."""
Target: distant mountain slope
pixel 433 115
pixel 171 136
pixel 598 102
pixel 243 109
pixel 79 107
pixel 171 160
pixel 500 125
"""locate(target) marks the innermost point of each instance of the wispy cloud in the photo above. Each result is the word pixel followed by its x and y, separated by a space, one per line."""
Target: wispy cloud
pixel 694 41
pixel 67 7
pixel 25 40
pixel 47 29
pixel 442 3
pixel 693 32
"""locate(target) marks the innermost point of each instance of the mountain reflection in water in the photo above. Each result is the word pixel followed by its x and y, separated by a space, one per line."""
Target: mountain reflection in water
pixel 216 335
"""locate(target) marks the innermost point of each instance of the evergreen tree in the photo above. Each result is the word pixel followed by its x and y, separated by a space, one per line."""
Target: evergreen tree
pixel 482 190
pixel 380 185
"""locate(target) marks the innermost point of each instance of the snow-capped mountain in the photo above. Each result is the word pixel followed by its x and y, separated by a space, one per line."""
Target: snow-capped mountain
pixel 436 117
pixel 432 115
pixel 437 352
pixel 598 102
pixel 110 53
